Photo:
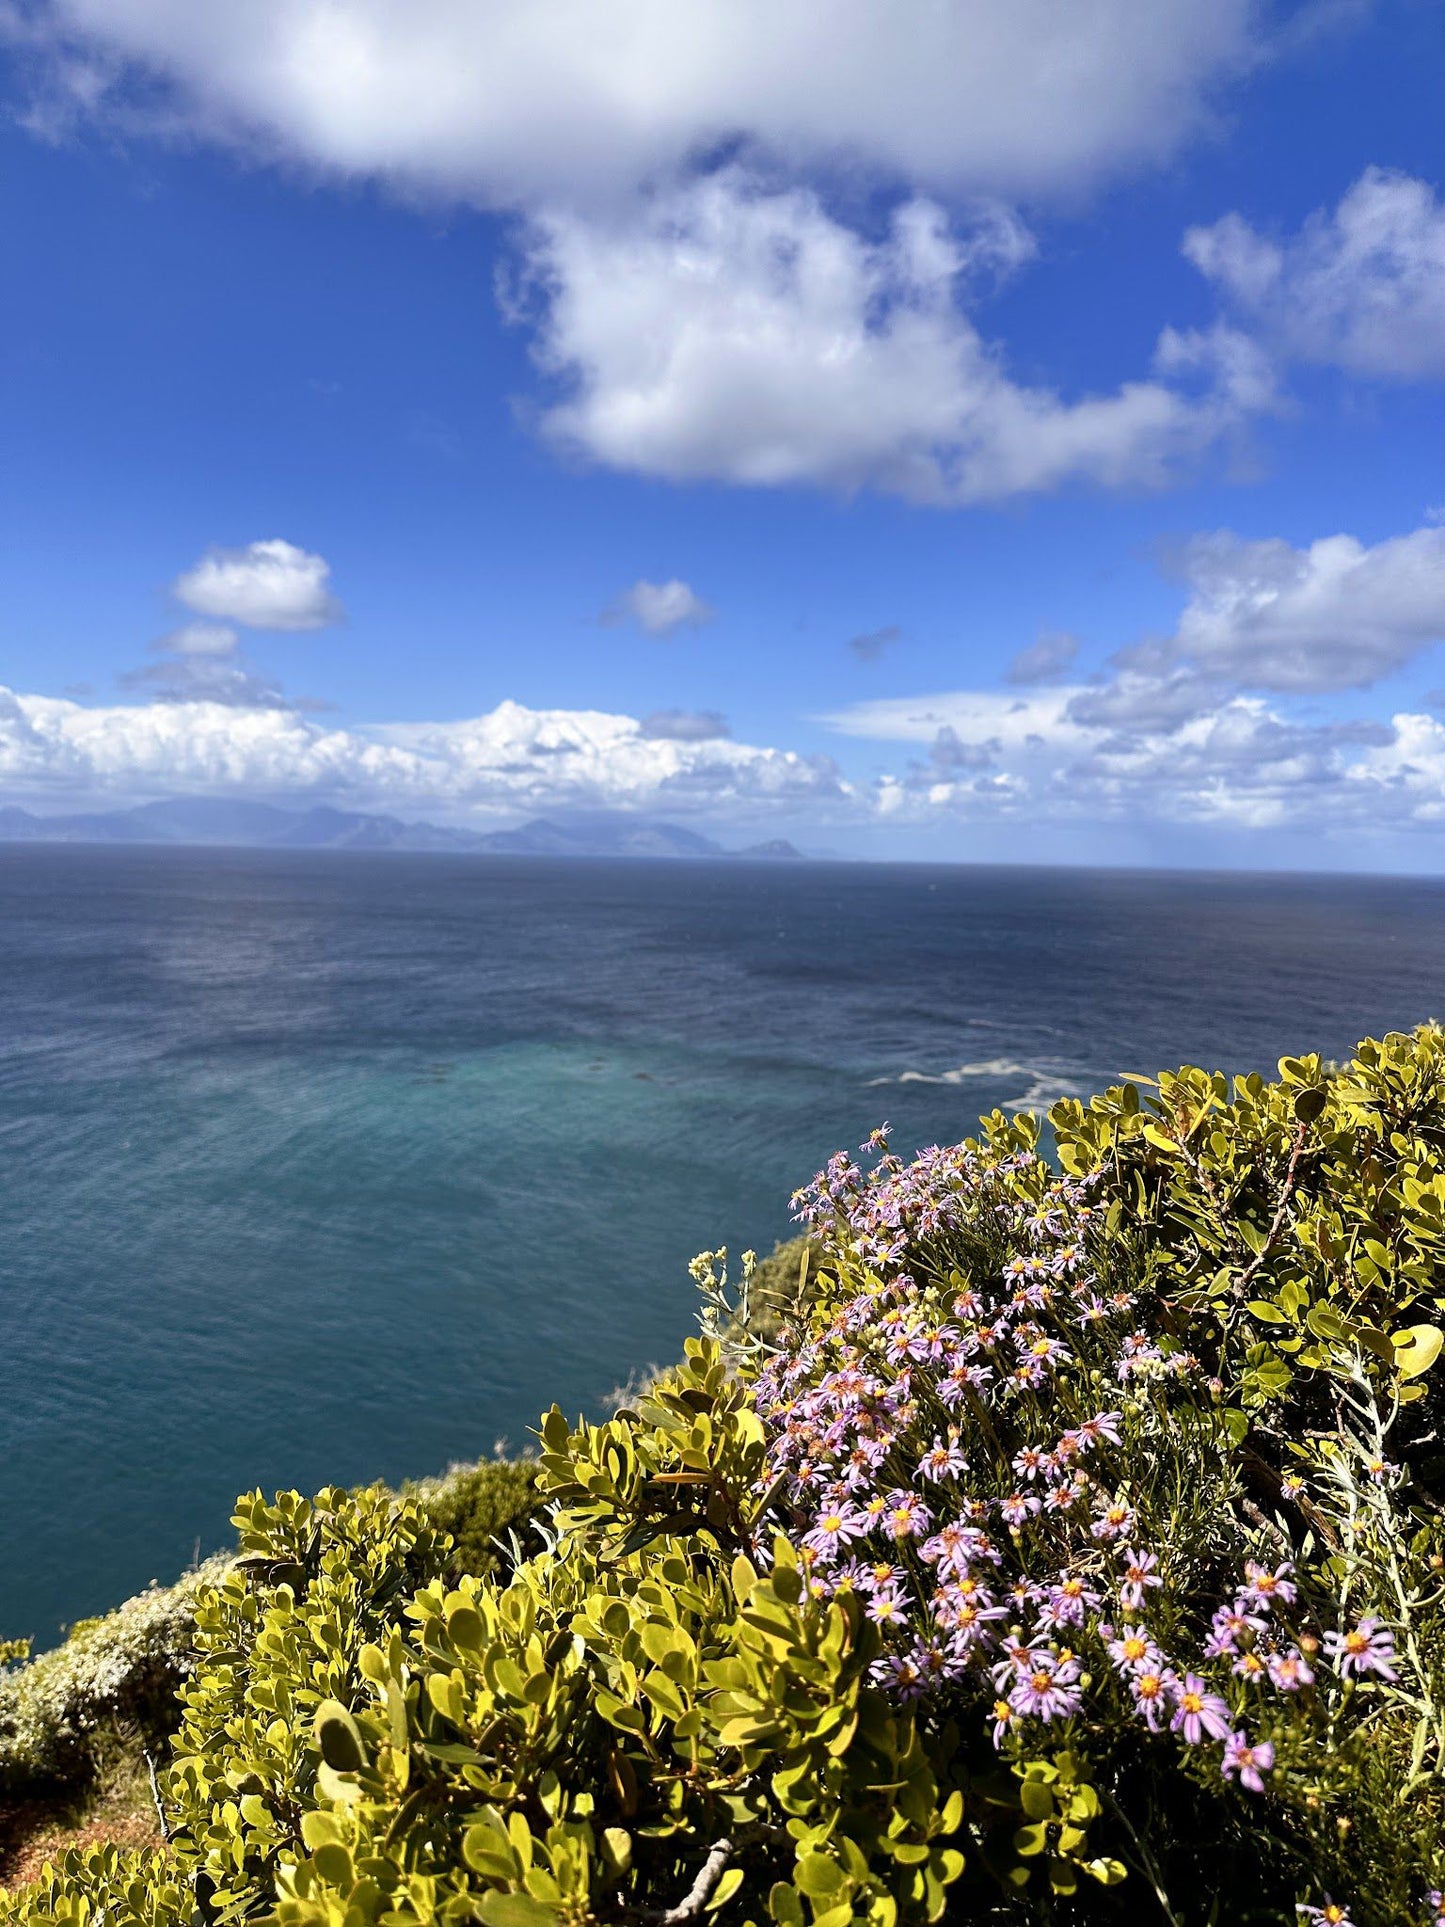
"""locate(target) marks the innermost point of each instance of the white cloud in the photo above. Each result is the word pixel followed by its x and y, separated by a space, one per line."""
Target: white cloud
pixel 200 639
pixel 1198 727
pixel 203 662
pixel 1361 286
pixel 267 585
pixel 1334 615
pixel 511 760
pixel 1013 720
pixel 705 329
pixel 515 105
pixel 1236 764
pixel 660 608
pixel 728 333
pixel 1047 660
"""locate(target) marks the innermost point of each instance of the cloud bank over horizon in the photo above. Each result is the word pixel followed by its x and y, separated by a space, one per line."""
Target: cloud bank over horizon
pixel 1199 727
pixel 512 760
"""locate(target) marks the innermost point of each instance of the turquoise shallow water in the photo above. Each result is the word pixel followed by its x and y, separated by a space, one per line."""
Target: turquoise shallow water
pixel 322 1167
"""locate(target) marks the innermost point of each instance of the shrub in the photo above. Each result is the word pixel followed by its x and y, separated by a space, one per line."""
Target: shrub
pixel 478 1505
pixel 120 1670
pixel 1075 1555
pixel 781 1284
pixel 1136 1470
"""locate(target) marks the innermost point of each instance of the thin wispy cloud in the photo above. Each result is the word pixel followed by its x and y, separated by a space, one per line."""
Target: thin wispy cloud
pixel 1047 660
pixel 873 644
pixel 659 608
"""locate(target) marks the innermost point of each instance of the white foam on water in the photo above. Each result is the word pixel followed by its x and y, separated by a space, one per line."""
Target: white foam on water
pixel 1044 1084
pixel 985 1067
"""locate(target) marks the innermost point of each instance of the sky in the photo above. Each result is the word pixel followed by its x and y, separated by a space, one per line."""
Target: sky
pixel 965 430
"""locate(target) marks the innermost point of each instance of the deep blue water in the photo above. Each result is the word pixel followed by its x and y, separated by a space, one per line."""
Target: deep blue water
pixel 325 1167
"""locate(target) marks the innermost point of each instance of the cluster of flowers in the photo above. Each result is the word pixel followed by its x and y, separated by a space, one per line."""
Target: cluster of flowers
pixel 1332 1914
pixel 948 1449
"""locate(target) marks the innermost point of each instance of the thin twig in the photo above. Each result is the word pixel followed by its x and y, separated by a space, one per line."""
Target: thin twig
pixel 1276 1532
pixel 156 1793
pixel 700 1892
pixel 1277 1222
pixel 1146 1860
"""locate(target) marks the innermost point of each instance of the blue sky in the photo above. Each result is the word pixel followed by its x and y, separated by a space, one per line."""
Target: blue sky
pixel 978 430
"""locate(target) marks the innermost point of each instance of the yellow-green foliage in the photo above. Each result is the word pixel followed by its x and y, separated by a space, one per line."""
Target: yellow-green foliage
pixel 123 1669
pixel 478 1505
pixel 121 1672
pixel 101 1887
pixel 1285 1216
pixel 317 1581
pixel 636 1708
pixel 660 1712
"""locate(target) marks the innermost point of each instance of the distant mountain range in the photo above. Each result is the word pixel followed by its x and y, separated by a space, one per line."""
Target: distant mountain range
pixel 218 823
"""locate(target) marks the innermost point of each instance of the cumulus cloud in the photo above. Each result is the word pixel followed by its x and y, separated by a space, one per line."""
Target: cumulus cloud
pixel 1153 699
pixel 701 327
pixel 267 585
pixel 685 725
pixel 203 662
pixel 950 758
pixel 874 643
pixel 1334 615
pixel 211 679
pixel 1239 763
pixel 725 332
pixel 513 759
pixel 1204 726
pixel 1047 660
pixel 1263 616
pixel 659 608
pixel 1361 286
pixel 565 100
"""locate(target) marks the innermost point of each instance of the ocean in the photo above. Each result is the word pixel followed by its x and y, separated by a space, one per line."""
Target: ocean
pixel 329 1167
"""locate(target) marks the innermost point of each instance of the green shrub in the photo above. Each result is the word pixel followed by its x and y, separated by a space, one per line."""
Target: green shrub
pixel 1139 1470
pixel 781 1285
pixel 740 1670
pixel 124 1669
pixel 477 1505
